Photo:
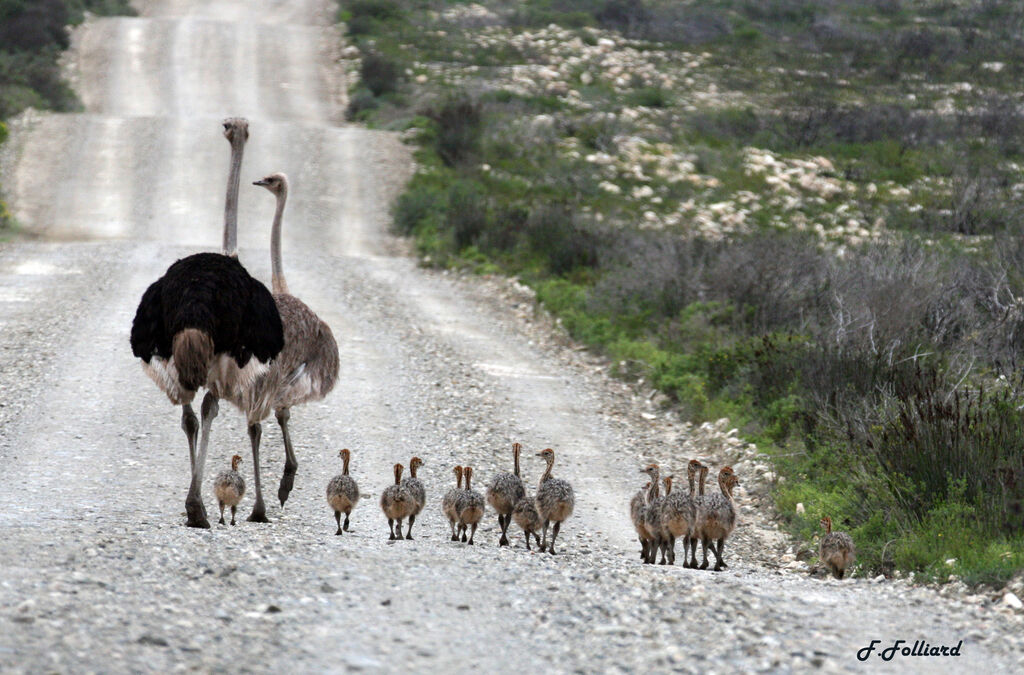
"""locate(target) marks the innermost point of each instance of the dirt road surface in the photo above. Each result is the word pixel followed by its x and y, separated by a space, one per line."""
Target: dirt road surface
pixel 98 572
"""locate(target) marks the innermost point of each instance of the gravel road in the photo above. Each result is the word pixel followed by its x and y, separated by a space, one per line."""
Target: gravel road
pixel 98 572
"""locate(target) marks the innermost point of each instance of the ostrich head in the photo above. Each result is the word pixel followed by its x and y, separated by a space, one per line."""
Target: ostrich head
pixel 235 461
pixel 236 128
pixel 277 183
pixel 345 454
pixel 652 471
pixel 727 478
pixel 548 454
pixel 414 464
pixel 692 468
pixel 826 522
pixel 458 475
pixel 467 473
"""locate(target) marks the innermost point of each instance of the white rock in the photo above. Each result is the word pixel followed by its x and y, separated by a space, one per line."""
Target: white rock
pixel 879 579
pixel 800 508
pixel 950 562
pixel 1011 600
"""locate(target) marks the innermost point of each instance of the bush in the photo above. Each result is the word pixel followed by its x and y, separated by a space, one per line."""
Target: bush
pixel 567 242
pixel 466 213
pixel 458 122
pixel 421 205
pixel 33 26
pixel 380 74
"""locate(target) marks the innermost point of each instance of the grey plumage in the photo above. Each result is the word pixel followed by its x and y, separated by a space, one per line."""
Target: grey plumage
pixel 395 503
pixel 716 518
pixel 526 517
pixel 679 516
pixel 343 492
pixel 306 369
pixel 636 514
pixel 555 501
pixel 416 492
pixel 448 502
pixel 229 488
pixel 836 550
pixel 504 492
pixel 469 506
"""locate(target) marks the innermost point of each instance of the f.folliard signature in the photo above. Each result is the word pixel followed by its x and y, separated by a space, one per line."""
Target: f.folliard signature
pixel 903 648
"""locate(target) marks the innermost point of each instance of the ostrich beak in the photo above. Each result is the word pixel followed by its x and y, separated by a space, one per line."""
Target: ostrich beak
pixel 261 181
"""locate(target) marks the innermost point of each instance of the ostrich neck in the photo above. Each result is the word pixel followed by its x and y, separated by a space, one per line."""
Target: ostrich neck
pixel 276 266
pixel 344 470
pixel 690 479
pixel 547 472
pixel 231 201
pixel 412 467
pixel 458 480
pixel 726 490
pixel 515 457
pixel 652 492
pixel 468 476
pixel 398 476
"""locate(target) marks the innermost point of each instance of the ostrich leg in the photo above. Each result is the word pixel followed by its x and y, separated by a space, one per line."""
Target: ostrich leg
pixel 291 465
pixel 259 511
pixel 194 503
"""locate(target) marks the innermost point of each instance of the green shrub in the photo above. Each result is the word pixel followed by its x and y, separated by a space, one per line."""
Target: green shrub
pixel 420 205
pixel 380 74
pixel 458 121
pixel 466 213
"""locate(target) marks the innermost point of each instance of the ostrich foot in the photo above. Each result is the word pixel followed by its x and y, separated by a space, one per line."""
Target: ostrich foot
pixel 258 515
pixel 285 488
pixel 196 511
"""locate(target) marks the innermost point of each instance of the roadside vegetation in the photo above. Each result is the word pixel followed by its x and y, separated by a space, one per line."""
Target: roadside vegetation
pixel 33 33
pixel 803 216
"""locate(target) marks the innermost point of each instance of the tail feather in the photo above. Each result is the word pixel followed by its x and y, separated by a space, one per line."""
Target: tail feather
pixel 193 353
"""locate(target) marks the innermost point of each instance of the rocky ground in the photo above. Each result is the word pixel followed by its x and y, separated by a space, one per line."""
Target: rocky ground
pixel 97 571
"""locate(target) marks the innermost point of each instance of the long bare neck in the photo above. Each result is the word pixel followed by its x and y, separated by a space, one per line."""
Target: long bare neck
pixel 515 458
pixel 412 467
pixel 344 470
pixel 468 473
pixel 652 492
pixel 828 526
pixel 398 474
pixel 691 479
pixel 458 479
pixel 703 479
pixel 276 266
pixel 668 486
pixel 726 490
pixel 547 472
pixel 231 201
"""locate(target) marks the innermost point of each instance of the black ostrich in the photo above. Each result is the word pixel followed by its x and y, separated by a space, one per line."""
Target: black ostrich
pixel 208 323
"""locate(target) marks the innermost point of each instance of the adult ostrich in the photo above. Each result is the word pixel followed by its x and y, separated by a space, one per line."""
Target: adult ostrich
pixel 307 367
pixel 207 323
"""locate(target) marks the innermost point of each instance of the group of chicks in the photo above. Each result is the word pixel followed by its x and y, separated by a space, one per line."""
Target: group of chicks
pixel 464 507
pixel 659 519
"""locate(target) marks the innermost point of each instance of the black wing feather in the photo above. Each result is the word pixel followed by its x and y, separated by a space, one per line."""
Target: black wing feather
pixel 214 293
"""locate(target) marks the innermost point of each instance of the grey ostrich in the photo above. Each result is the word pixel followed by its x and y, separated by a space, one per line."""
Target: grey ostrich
pixel 305 370
pixel 504 492
pixel 555 501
